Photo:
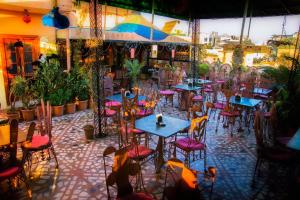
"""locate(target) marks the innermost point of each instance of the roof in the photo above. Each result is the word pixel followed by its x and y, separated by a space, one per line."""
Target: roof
pixel 185 9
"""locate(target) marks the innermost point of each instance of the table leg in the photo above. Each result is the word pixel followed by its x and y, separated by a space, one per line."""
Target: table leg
pixel 160 157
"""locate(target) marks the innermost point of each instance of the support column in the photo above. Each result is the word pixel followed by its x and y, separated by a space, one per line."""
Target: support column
pixel 244 20
pixel 98 70
pixel 195 45
pixel 68 49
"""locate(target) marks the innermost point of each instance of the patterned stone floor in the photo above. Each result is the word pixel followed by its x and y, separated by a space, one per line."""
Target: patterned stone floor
pixel 81 172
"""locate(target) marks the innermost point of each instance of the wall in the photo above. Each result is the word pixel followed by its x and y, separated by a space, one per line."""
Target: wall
pixel 12 23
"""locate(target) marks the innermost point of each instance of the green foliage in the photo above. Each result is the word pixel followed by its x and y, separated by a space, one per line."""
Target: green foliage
pixel 134 69
pixel 280 75
pixel 48 79
pixel 59 97
pixel 203 69
pixel 237 57
pixel 17 90
pixel 83 83
pixel 171 68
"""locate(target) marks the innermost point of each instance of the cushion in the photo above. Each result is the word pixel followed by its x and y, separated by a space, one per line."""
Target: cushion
pixel 198 98
pixel 142 113
pixel 133 130
pixel 230 114
pixel 208 90
pixel 267 114
pixel 178 90
pixel 109 112
pixel 220 81
pixel 38 141
pixel 139 152
pixel 189 144
pixel 10 172
pixel 166 92
pixel 113 104
pixel 219 105
pixel 283 140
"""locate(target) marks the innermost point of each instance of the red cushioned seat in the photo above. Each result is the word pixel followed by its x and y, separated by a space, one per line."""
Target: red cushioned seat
pixel 37 142
pixel 178 90
pixel 10 172
pixel 113 104
pixel 189 144
pixel 208 90
pixel 197 98
pixel 137 196
pixel 283 140
pixel 267 114
pixel 109 113
pixel 219 105
pixel 220 81
pixel 166 92
pixel 143 113
pixel 139 152
pixel 133 130
pixel 230 114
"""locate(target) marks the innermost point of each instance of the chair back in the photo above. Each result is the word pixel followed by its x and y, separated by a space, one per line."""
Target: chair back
pixel 44 118
pixel 30 131
pixel 198 128
pixel 14 128
pixel 258 129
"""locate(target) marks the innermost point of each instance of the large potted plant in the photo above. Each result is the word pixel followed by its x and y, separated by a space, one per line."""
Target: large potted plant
pixel 71 91
pixel 27 110
pixel 203 69
pixel 57 100
pixel 83 90
pixel 17 89
pixel 133 70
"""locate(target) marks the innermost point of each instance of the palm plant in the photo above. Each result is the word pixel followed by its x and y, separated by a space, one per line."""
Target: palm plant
pixel 18 88
pixel 134 69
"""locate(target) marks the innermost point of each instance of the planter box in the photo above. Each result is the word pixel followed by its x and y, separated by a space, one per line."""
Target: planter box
pixel 58 110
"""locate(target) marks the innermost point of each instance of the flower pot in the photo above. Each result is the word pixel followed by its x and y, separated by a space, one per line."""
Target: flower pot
pixel 82 105
pixel 70 108
pixel 28 114
pixel 13 115
pixel 91 103
pixel 58 110
pixel 89 132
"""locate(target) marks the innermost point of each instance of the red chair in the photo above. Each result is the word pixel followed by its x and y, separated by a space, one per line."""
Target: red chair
pixel 194 142
pixel 38 145
pixel 168 94
pixel 15 170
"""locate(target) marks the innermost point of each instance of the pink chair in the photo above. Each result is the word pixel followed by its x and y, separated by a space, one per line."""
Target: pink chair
pixel 168 94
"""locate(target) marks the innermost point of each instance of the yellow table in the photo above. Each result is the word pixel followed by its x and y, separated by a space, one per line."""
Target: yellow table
pixel 4 134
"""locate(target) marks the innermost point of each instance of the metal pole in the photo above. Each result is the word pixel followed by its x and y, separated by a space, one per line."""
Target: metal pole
pixel 250 20
pixel 152 21
pixel 244 20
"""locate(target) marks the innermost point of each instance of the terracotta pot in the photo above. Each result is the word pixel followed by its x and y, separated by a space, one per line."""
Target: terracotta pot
pixel 13 115
pixel 82 105
pixel 91 103
pixel 28 115
pixel 89 132
pixel 70 108
pixel 58 110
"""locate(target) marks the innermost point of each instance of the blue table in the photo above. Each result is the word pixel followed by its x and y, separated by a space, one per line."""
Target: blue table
pixel 184 102
pixel 261 91
pixel 199 81
pixel 173 126
pixel 294 143
pixel 118 97
pixel 247 102
pixel 187 88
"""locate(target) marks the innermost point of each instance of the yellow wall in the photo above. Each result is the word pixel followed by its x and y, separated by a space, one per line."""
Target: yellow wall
pixel 11 22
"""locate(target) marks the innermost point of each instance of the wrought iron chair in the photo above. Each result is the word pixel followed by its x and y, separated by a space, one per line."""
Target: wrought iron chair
pixel 194 142
pixel 118 178
pixel 36 146
pixel 15 169
pixel 181 182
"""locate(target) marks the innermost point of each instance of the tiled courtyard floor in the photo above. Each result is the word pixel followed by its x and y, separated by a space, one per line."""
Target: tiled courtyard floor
pixel 81 172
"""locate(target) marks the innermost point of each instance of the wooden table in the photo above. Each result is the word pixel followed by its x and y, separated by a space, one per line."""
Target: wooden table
pixel 184 102
pixel 173 126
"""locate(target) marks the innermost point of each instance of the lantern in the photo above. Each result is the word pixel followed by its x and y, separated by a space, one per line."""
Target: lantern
pixel 132 51
pixel 26 17
pixel 173 53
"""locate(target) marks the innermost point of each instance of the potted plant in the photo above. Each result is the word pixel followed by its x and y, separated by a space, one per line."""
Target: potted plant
pixel 203 69
pixel 57 100
pixel 134 69
pixel 71 91
pixel 16 90
pixel 27 110
pixel 83 91
pixel 89 131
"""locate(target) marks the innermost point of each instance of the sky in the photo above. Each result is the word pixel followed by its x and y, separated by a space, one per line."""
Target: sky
pixel 262 28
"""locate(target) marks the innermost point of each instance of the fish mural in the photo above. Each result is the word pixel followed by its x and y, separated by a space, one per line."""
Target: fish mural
pixel 136 23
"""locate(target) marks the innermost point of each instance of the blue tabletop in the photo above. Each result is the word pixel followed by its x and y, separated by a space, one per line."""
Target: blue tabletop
pixel 262 91
pixel 248 102
pixel 294 143
pixel 173 125
pixel 200 81
pixel 186 87
pixel 118 97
